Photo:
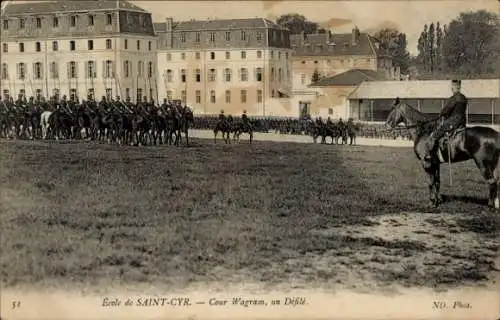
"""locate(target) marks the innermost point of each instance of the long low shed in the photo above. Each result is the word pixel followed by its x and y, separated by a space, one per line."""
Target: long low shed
pixel 372 100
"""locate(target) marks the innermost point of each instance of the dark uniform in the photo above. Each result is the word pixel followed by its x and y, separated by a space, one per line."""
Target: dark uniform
pixel 222 116
pixel 319 122
pixel 453 117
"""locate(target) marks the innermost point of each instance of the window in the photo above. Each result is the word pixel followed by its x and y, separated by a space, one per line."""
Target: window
pixel 286 55
pixel 91 72
pixel 259 54
pixel 38 23
pixel 183 56
pixel 280 74
pixel 38 94
pixel 198 96
pixel 140 68
pixel 5 72
pixel 212 55
pixel 169 56
pixel 259 95
pixel 138 44
pixel 21 71
pixel 37 70
pixel 126 44
pixel 38 47
pixel 183 96
pixel 302 78
pixel 243 54
pixel 72 69
pixel 126 68
pixel 150 45
pixel 183 37
pixel 212 36
pixel 108 69
pixel 91 20
pixel 258 74
pixel 22 23
pixel 21 47
pixel 228 96
pixel 259 36
pixel 228 55
pixel 73 21
pixel 6 94
pixel 139 95
pixel 197 38
pixel 198 75
pixel 55 45
pixel 72 45
pixel 279 55
pixel 243 96
pixel 90 44
pixel 272 54
pixel 197 55
pixel 273 76
pixel 127 94
pixel 54 70
pixel 150 69
pixel 212 96
pixel 55 22
pixel 108 44
pixel 22 92
pixel 169 95
pixel 170 75
pixel 6 24
pixel 315 62
pixel 5 47
pixel 91 93
pixel 109 19
pixel 212 75
pixel 228 36
pixel 244 74
pixel 183 75
pixel 272 93
pixel 330 111
pixel 227 74
pixel 243 35
pixel 55 92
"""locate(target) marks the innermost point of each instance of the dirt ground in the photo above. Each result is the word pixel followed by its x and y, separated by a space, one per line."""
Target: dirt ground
pixel 280 215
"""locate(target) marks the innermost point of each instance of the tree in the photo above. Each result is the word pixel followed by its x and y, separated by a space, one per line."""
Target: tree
pixel 438 54
pixel 316 76
pixel 431 47
pixel 393 43
pixel 297 23
pixel 470 45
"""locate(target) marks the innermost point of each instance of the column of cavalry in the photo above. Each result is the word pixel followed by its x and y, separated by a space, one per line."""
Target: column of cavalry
pixel 111 120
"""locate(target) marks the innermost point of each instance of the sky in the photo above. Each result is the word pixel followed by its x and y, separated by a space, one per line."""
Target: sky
pixel 408 16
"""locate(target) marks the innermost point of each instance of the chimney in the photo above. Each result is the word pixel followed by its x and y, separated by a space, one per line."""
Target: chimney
pixel 355 36
pixel 169 24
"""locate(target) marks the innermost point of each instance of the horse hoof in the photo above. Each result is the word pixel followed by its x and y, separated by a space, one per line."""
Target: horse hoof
pixel 496 203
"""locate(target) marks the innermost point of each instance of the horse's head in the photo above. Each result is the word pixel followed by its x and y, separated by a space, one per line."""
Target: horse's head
pixel 396 115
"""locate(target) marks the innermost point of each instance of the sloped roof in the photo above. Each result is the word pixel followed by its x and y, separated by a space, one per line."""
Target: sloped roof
pixel 332 45
pixel 438 89
pixel 351 77
pixel 219 24
pixel 15 9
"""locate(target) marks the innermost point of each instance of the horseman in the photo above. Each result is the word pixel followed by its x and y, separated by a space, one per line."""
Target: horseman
pixel 329 122
pixel 319 122
pixel 453 117
pixel 244 119
pixel 222 116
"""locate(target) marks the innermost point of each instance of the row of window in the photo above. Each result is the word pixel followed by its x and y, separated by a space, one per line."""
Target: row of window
pixel 108 70
pixel 72 45
pixel 243 55
pixel 227 75
pixel 90 93
pixel 213 97
pixel 243 36
pixel 73 21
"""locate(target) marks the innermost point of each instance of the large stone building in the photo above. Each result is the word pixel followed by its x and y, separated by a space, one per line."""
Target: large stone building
pixel 331 54
pixel 235 65
pixel 78 48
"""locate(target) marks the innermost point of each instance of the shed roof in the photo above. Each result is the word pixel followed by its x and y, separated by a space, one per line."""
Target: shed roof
pixel 352 77
pixel 439 89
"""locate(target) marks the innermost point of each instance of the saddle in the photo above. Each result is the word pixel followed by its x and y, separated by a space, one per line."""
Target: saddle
pixel 449 140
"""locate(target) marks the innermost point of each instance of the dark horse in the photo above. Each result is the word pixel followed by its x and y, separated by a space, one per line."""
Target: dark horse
pixel 240 128
pixel 482 144
pixel 225 126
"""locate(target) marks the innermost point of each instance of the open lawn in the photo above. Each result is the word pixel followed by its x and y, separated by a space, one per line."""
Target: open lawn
pixel 277 214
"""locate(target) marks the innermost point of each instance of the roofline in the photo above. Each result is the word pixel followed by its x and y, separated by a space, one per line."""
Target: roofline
pixel 70 12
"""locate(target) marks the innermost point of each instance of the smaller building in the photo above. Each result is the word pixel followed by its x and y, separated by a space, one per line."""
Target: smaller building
pixel 331 93
pixel 372 101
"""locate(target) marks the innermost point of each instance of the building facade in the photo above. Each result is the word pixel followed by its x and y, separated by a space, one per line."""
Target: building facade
pixel 78 48
pixel 234 65
pixel 330 54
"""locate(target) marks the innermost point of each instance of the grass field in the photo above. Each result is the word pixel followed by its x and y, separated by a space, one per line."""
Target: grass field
pixel 279 215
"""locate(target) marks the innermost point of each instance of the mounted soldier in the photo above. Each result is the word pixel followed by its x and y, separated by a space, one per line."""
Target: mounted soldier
pixel 329 122
pixel 453 116
pixel 319 122
pixel 222 116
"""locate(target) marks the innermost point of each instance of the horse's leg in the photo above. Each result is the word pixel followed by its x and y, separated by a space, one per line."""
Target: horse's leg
pixel 434 183
pixel 488 173
pixel 251 136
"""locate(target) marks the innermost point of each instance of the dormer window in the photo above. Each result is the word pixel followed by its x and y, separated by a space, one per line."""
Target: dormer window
pixel 73 21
